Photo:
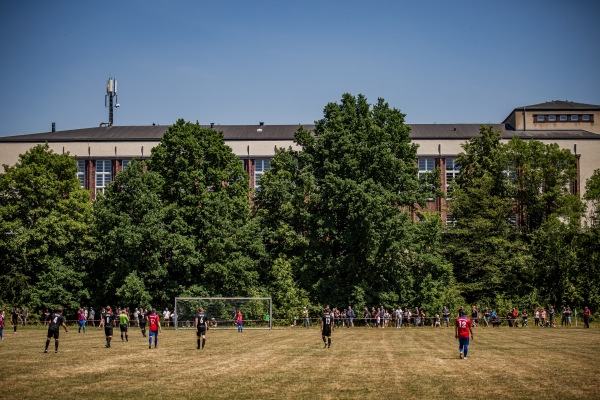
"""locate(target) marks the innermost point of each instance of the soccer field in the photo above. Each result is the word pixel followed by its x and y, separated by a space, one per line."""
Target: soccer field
pixel 291 363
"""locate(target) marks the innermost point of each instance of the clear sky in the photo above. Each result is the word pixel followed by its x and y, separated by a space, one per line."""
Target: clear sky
pixel 281 62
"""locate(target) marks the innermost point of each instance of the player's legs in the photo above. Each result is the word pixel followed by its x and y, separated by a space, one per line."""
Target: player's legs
pixel 143 329
pixel 108 333
pixel 1 337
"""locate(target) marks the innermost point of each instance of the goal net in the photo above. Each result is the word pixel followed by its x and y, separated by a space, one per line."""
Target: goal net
pixel 221 312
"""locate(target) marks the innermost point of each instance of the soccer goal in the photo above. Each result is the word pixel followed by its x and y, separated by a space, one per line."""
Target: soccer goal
pixel 222 312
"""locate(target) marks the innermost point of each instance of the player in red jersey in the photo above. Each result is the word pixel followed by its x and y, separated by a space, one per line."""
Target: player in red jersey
pixel 154 327
pixel 462 331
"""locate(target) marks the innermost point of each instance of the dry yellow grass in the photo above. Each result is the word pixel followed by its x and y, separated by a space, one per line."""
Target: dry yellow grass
pixel 291 363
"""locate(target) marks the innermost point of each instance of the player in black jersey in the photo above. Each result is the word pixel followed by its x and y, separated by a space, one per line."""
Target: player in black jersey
pixel 14 318
pixel 142 321
pixel 326 323
pixel 56 321
pixel 201 327
pixel 108 321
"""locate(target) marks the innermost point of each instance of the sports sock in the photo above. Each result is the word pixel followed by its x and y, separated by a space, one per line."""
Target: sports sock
pixel 203 342
pixel 328 342
pixel 126 338
pixel 466 350
pixel 122 337
pixel 108 341
pixel 198 340
pixel 150 341
pixel 155 341
pixel 56 345
pixel 47 344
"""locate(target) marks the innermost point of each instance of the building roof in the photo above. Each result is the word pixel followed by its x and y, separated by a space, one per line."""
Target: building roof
pixel 560 105
pixel 282 132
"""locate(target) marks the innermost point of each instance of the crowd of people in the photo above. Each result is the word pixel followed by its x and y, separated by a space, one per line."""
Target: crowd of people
pixel 398 317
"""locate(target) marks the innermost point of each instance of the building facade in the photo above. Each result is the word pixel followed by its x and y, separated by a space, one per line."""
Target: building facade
pixel 104 151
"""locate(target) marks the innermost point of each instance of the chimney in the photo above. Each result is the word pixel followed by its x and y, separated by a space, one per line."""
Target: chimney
pixel 54 127
pixel 212 125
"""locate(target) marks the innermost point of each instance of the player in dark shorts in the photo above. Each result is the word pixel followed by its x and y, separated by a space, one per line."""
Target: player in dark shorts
pixel 123 324
pixel 56 321
pixel 14 319
pixel 201 327
pixel 326 323
pixel 142 321
pixel 108 321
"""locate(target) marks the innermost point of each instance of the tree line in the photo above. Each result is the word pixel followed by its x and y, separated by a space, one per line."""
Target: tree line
pixel 332 223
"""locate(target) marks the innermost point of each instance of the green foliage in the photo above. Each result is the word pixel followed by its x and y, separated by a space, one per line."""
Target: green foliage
pixel 592 195
pixel 340 209
pixel 44 224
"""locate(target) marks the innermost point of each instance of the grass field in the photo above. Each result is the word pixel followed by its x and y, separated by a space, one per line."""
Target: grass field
pixel 291 363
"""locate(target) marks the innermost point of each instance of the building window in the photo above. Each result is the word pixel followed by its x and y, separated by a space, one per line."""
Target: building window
pixel 103 177
pixel 551 118
pixel 452 172
pixel 540 118
pixel 260 167
pixel 426 165
pixel 563 118
pixel 81 172
pixel 450 220
pixel 125 164
pixel 585 117
pixel 574 117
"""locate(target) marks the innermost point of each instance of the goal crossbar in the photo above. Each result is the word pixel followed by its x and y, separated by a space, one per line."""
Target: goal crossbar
pixel 217 320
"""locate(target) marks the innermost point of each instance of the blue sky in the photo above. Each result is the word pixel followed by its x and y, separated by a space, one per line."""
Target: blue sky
pixel 241 62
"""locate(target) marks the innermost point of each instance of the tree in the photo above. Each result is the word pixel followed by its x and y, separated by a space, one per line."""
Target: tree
pixel 340 209
pixel 44 220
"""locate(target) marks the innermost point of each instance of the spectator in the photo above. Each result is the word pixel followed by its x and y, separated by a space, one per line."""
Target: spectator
pixel 586 317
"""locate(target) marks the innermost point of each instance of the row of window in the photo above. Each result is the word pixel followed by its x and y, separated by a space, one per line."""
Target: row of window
pixel 564 117
pixel 104 167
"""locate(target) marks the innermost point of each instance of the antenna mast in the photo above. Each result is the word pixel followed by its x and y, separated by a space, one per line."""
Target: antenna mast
pixel 110 99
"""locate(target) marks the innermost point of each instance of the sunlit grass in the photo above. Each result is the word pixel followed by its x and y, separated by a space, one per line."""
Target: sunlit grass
pixel 292 364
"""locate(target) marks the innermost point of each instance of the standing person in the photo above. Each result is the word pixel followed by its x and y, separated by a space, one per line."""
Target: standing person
pixel 142 321
pixel 124 324
pixel 154 327
pixel 436 321
pixel 306 322
pixel 108 322
pixel 239 321
pixel 543 316
pixel 524 318
pixel 56 321
pixel 367 316
pixel 446 316
pixel 326 323
pixel 350 315
pixel 136 316
pixel 81 320
pixel 568 314
pixel 1 323
pixel 536 317
pixel 487 315
pixel 166 315
pixel 474 316
pixel 23 315
pixel 14 319
pixel 91 316
pixel 201 324
pixel 46 317
pixel 462 331
pixel 586 317
pixel 174 318
pixel 551 317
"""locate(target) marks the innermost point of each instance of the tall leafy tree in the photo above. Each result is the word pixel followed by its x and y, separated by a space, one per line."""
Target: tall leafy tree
pixel 341 207
pixel 44 224
pixel 206 194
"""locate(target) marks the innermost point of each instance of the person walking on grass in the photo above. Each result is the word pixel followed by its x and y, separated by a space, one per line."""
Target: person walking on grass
pixel 154 327
pixel 56 321
pixel 326 323
pixel 240 321
pixel 123 325
pixel 81 320
pixel 462 332
pixel 108 322
pixel 14 319
pixel 201 328
pixel 586 317
pixel 1 324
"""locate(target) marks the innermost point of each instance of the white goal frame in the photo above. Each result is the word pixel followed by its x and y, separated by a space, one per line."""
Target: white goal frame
pixel 270 325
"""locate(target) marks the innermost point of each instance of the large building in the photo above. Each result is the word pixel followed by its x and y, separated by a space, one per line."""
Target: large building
pixel 103 151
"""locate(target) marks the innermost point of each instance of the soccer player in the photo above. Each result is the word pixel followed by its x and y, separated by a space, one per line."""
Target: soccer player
pixel 239 321
pixel 14 319
pixel 326 323
pixel 142 319
pixel 154 326
pixel 445 316
pixel 201 327
pixel 81 320
pixel 56 321
pixel 108 321
pixel 1 324
pixel 462 329
pixel 123 324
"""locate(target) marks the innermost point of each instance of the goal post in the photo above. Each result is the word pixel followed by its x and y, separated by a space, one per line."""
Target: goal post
pixel 221 312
